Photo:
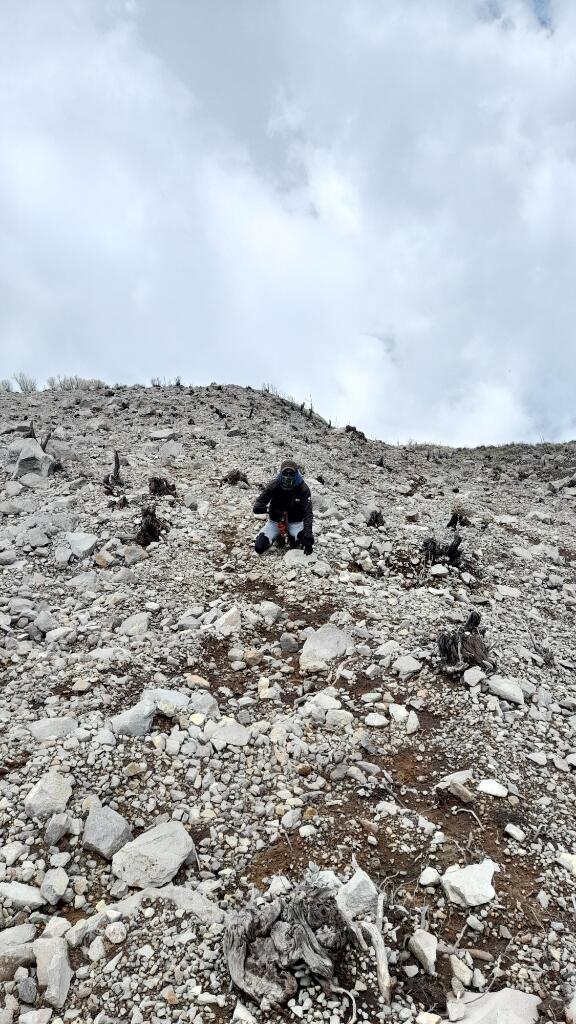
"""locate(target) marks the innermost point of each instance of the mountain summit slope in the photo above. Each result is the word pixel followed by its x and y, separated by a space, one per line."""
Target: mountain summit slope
pixel 186 726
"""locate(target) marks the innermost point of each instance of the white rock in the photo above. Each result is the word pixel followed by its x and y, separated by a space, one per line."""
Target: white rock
pixel 116 932
pixel 53 968
pixel 16 949
pixel 567 860
pixel 230 733
pixel 470 886
pixel 154 857
pixel 430 876
pixel 492 788
pixel 461 970
pixel 18 935
pixel 135 721
pixel 12 852
pixel 81 544
pixel 375 720
pixel 424 946
pixel 135 625
pixel 21 895
pixel 406 666
pixel 49 796
pixel 169 702
pixel 439 570
pixel 54 885
pixel 474 675
pixel 242 1016
pixel 506 689
pixel 339 718
pixel 230 622
pixel 322 647
pixel 32 459
pixel 515 833
pixel 412 723
pixel 105 831
pixel 508 1006
pixel 52 728
pixel 398 713
pixel 35 1016
pixel 325 699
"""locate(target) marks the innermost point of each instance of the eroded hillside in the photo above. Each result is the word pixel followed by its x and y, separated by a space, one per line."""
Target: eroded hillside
pixel 181 685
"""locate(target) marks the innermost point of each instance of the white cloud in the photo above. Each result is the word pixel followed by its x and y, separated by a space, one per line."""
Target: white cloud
pixel 372 204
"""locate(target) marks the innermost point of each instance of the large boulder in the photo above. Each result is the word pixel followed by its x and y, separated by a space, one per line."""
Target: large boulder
pixel 32 459
pixel 49 796
pixel 322 647
pixel 154 857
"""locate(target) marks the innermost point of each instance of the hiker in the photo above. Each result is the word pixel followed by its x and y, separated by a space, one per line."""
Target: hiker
pixel 287 500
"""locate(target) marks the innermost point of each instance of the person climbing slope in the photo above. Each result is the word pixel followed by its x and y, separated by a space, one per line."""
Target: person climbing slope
pixel 288 502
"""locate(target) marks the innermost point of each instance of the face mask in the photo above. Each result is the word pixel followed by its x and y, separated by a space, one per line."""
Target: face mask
pixel 288 480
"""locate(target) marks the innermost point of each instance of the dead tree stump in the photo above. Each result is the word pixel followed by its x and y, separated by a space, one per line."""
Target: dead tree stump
pixel 465 646
pixel 159 485
pixel 113 480
pixel 151 527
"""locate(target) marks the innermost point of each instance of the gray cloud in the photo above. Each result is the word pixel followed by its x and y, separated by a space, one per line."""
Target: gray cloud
pixel 370 204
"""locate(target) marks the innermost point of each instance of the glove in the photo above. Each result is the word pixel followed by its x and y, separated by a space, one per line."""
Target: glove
pixel 259 510
pixel 307 545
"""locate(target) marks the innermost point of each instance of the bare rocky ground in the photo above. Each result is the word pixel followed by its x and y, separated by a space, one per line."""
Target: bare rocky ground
pixel 183 685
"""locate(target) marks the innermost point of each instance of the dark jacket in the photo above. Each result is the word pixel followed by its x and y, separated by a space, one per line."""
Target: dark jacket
pixel 297 504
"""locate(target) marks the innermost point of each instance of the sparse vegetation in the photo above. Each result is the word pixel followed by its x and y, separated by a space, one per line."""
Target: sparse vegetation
pixel 306 410
pixel 26 384
pixel 75 383
pixel 163 382
pixel 6 385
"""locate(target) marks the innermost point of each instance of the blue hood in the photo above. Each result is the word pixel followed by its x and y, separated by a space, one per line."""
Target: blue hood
pixel 298 479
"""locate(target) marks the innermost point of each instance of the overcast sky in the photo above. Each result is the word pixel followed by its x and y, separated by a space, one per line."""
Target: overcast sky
pixel 369 202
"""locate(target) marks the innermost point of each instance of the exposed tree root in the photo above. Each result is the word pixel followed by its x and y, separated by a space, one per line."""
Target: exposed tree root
pixel 312 924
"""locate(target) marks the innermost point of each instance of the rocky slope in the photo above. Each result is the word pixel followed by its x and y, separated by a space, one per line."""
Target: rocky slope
pixel 185 728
